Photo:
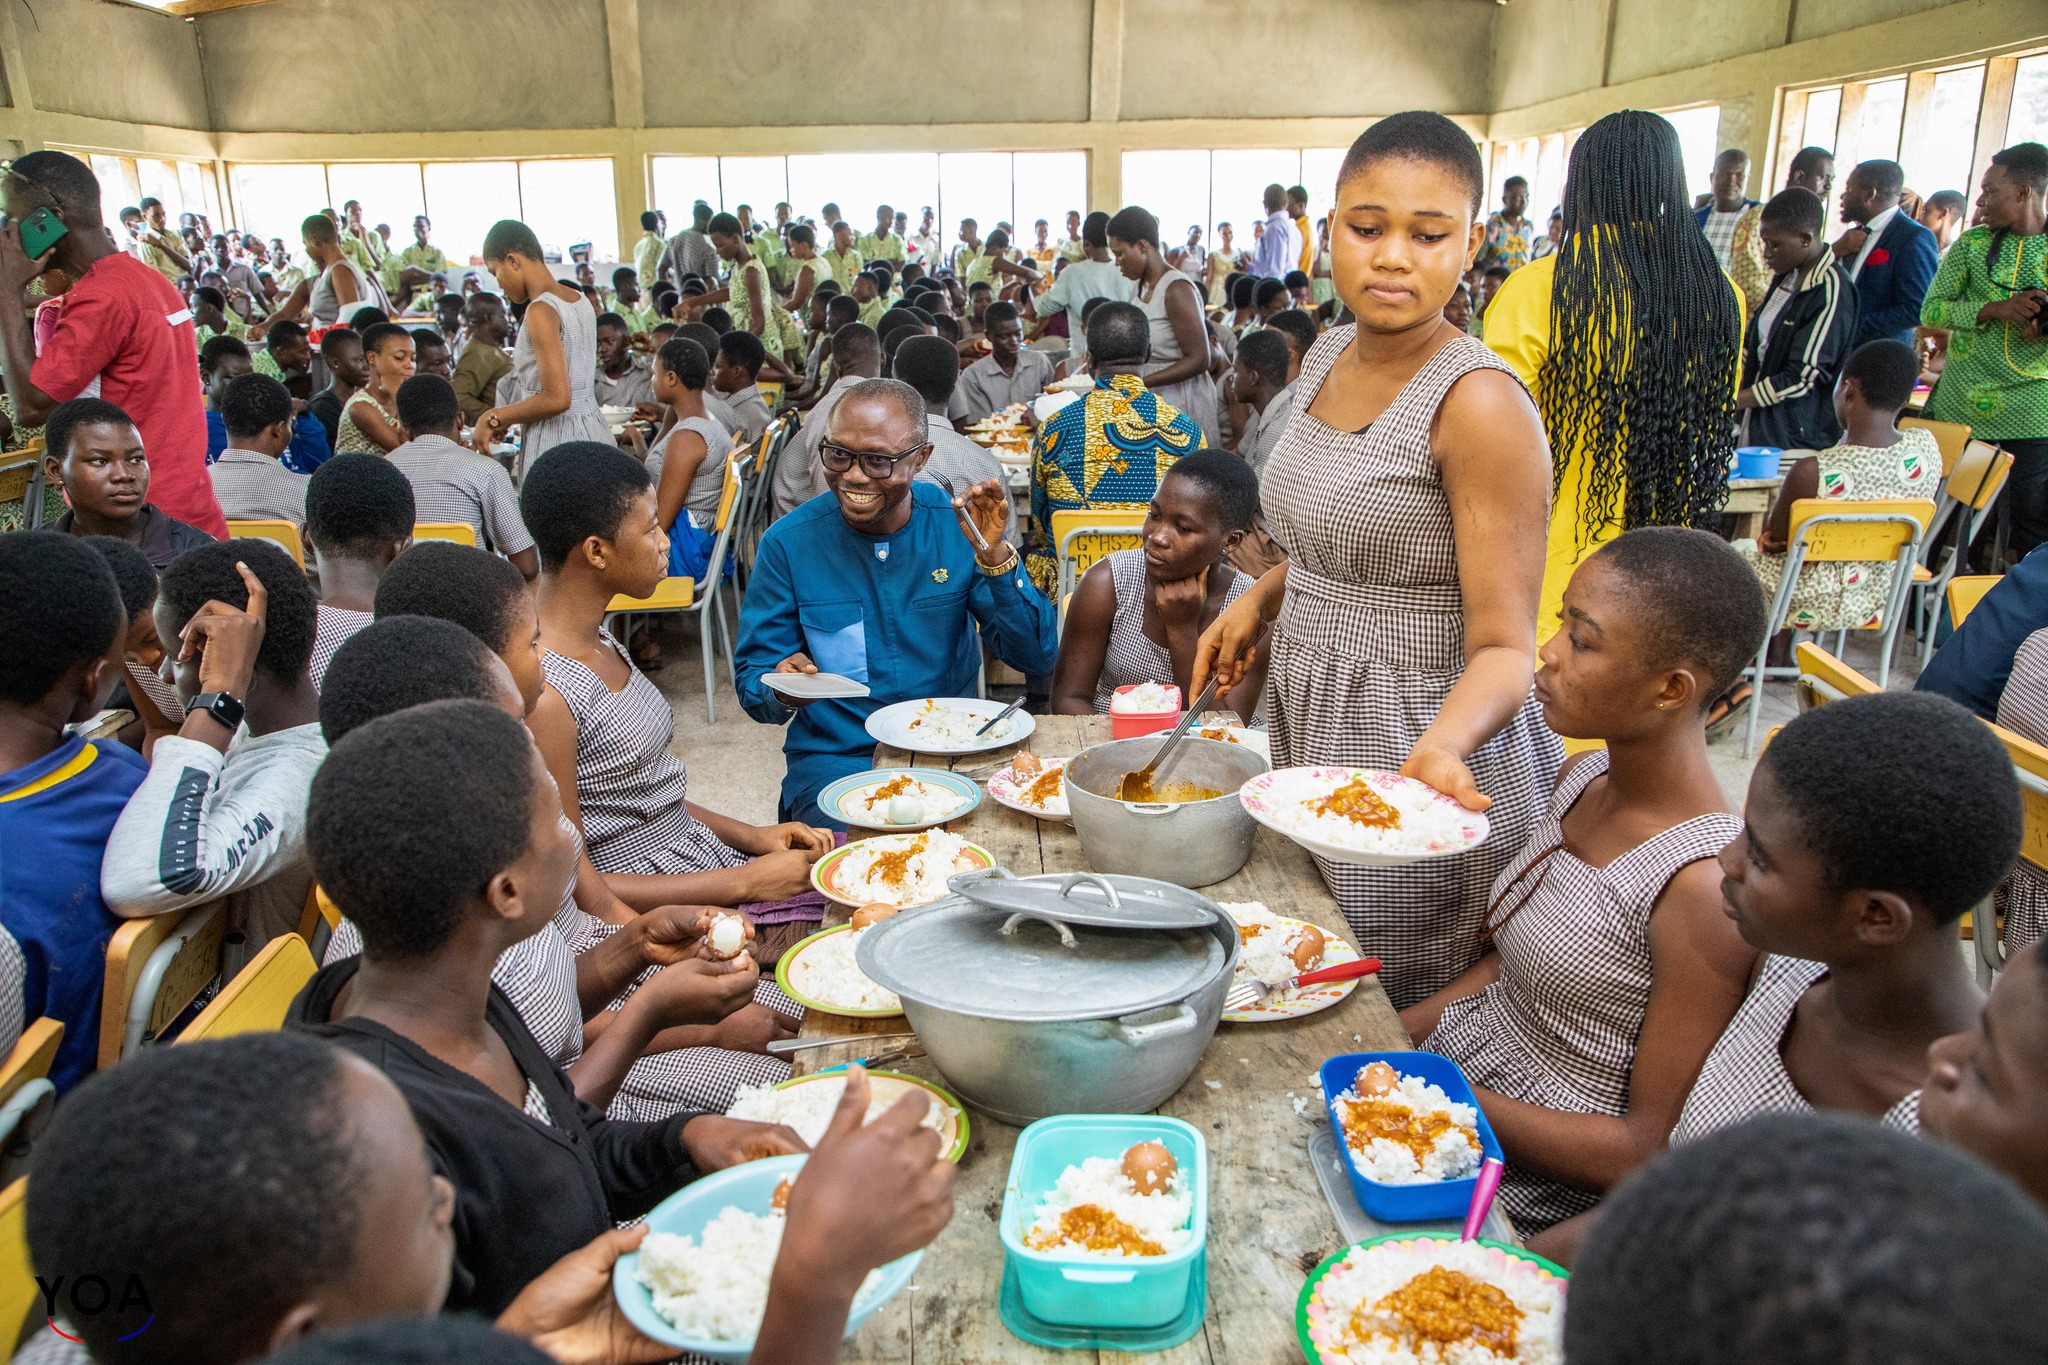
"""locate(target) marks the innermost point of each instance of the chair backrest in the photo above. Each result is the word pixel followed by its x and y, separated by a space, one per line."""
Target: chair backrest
pixel 257 999
pixel 1950 437
pixel 31 1058
pixel 1824 678
pixel 1083 535
pixel 1870 529
pixel 1965 591
pixel 18 1290
pixel 1978 475
pixel 2030 761
pixel 163 962
pixel 459 531
pixel 771 392
pixel 17 472
pixel 282 534
pixel 729 492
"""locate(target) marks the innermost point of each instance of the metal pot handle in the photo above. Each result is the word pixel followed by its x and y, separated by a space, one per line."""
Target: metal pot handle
pixel 1182 1020
pixel 1152 810
pixel 1095 879
pixel 1067 939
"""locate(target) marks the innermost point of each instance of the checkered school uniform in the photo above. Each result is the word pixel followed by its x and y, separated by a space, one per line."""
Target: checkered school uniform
pixel 1559 1028
pixel 332 629
pixel 2023 708
pixel 1132 657
pixel 630 787
pixel 1745 1073
pixel 1369 642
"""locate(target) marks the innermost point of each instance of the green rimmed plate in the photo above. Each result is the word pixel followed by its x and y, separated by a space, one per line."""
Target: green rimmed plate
pixel 1309 1299
pixel 785 978
pixel 892 1085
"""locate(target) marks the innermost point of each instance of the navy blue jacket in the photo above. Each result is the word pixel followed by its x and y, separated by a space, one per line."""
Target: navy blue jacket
pixel 1894 280
pixel 1973 666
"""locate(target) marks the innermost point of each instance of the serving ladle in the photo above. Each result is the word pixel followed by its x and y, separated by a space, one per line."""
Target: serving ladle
pixel 1137 786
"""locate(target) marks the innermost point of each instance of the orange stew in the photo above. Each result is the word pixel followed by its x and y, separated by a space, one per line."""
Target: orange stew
pixel 895 786
pixel 1359 803
pixel 892 867
pixel 1415 1129
pixel 1094 1228
pixel 1044 788
pixel 1443 1307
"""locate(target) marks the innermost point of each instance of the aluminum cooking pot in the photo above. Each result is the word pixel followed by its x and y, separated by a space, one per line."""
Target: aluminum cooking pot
pixel 1189 843
pixel 1032 999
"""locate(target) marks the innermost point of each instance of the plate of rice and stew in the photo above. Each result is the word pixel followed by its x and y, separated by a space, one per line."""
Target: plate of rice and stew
pixel 1273 948
pixel 1036 786
pixel 1362 815
pixel 1416 1297
pixel 898 870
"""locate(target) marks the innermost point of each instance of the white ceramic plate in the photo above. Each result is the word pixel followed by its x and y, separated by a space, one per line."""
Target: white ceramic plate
pixel 1008 790
pixel 823 870
pixel 907 726
pixel 813 686
pixel 1307 999
pixel 840 800
pixel 1271 796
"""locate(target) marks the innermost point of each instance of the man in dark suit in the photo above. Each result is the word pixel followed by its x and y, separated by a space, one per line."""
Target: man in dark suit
pixel 1889 255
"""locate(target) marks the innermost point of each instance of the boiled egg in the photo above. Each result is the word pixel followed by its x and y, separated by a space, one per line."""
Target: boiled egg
pixel 727 936
pixel 904 810
pixel 1150 1167
pixel 871 914
pixel 1308 948
pixel 1376 1078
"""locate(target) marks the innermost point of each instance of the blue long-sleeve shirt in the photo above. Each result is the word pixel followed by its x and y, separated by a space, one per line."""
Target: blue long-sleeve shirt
pixel 893 612
pixel 1973 667
pixel 307 452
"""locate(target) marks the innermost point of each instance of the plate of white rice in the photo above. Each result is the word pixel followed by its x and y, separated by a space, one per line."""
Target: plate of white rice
pixel 1403 1130
pixel 820 973
pixel 1159 1219
pixel 1429 1299
pixel 1273 948
pixel 897 869
pixel 899 798
pixel 1362 815
pixel 807 1103
pixel 947 725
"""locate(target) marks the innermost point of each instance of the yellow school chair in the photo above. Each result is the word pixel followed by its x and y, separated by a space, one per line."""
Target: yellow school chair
pixel 461 532
pixel 1083 535
pixel 771 393
pixel 21 480
pixel 317 922
pixel 1971 491
pixel 19 1293
pixel 282 534
pixel 1822 531
pixel 754 510
pixel 679 596
pixel 2030 765
pixel 1824 678
pixel 25 1079
pixel 1949 437
pixel 155 968
pixel 1965 592
pixel 261 993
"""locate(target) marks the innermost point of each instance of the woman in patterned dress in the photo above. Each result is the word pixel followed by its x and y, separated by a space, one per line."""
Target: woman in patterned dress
pixel 605 729
pixel 1411 493
pixel 1613 967
pixel 1874 460
pixel 369 420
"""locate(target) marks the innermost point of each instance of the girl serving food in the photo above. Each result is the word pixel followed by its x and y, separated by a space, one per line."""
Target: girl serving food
pixel 1411 492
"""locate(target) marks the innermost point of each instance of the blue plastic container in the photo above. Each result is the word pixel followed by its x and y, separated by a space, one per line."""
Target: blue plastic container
pixel 1089 1291
pixel 1757 462
pixel 750 1186
pixel 1424 1203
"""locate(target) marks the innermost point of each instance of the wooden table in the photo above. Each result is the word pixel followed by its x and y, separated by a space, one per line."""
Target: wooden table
pixel 1748 502
pixel 1268 1223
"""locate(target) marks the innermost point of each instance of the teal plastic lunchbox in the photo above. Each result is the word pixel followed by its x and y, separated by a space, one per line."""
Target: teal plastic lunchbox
pixel 1092 1291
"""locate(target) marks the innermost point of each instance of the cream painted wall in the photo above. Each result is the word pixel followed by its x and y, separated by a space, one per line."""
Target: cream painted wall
pixel 117 62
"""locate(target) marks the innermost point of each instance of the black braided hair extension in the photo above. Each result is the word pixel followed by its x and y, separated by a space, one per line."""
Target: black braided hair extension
pixel 1646 336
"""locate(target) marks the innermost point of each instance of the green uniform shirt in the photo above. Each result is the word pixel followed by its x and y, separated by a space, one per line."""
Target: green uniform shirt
pixel 875 247
pixel 845 264
pixel 647 258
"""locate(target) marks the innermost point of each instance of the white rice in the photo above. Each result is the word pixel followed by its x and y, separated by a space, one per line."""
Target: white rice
pixel 1100 1180
pixel 1368 1274
pixel 949 725
pixel 1266 955
pixel 715 1285
pixel 933 802
pixel 826 972
pixel 936 855
pixel 808 1108
pixel 1427 825
pixel 1454 1156
pixel 1146 699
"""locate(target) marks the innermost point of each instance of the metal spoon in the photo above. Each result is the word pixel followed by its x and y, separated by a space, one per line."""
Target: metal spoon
pixel 784 1046
pixel 1137 786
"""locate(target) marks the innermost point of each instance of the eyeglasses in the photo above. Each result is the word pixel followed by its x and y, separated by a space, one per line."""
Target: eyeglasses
pixel 839 459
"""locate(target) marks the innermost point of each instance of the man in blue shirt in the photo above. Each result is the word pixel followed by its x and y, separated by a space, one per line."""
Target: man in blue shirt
pixel 224 360
pixel 879 579
pixel 59 795
pixel 1973 666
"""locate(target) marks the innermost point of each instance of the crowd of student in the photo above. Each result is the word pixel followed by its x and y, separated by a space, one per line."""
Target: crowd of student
pixel 519 1037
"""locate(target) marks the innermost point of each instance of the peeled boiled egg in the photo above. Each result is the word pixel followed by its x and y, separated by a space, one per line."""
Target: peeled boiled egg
pixel 1150 1167
pixel 1308 948
pixel 904 810
pixel 1376 1078
pixel 728 935
pixel 871 914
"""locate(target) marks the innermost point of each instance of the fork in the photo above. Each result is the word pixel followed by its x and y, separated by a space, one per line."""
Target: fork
pixel 979 539
pixel 1250 994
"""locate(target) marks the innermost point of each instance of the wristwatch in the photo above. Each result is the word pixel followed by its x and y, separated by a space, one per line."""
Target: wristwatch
pixel 1001 570
pixel 219 705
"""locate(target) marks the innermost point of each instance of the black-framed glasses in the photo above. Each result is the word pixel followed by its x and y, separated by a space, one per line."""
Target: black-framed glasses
pixel 839 459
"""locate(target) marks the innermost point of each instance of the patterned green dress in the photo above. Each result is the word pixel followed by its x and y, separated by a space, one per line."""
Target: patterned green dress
pixel 1995 379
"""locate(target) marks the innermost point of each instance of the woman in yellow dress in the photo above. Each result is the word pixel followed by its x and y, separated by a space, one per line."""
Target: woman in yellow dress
pixel 1630 338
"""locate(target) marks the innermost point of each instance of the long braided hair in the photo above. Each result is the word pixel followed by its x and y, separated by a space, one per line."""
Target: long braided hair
pixel 1646 337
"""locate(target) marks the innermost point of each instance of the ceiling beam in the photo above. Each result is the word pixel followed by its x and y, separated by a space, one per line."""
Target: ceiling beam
pixel 629 82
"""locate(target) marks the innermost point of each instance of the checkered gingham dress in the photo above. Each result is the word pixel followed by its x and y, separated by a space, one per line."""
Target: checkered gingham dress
pixel 2023 709
pixel 1132 657
pixel 1745 1073
pixel 630 787
pixel 1368 644
pixel 1559 1027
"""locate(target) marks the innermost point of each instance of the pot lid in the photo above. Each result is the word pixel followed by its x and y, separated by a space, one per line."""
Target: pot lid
pixel 1090 898
pixel 990 961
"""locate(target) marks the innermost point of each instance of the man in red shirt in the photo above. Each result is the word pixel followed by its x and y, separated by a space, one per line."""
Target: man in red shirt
pixel 120 324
